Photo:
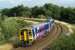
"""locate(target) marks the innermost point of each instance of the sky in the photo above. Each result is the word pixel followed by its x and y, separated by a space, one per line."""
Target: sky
pixel 31 3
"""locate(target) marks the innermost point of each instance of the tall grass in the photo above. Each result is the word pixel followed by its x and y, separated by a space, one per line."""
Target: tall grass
pixel 9 27
pixel 64 42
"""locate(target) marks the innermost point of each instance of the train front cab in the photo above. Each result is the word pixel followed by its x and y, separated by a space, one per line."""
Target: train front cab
pixel 26 37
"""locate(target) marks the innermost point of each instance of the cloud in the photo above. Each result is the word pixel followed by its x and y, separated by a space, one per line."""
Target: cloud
pixel 65 3
pixel 31 3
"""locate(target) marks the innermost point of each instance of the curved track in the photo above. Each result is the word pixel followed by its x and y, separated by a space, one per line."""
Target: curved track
pixel 40 44
pixel 43 43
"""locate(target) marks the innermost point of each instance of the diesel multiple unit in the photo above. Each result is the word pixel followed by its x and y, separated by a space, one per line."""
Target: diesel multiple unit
pixel 28 35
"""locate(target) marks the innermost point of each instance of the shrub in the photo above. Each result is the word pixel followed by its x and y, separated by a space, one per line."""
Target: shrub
pixel 9 27
pixel 64 43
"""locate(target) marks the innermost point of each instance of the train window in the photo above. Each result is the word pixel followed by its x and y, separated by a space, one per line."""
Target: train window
pixel 39 30
pixel 22 32
pixel 46 26
pixel 30 33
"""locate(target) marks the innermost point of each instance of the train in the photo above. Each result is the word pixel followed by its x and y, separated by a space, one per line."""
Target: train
pixel 28 35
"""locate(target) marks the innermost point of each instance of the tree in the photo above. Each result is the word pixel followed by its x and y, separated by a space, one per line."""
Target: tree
pixel 56 12
pixel 17 11
pixel 52 10
pixel 67 14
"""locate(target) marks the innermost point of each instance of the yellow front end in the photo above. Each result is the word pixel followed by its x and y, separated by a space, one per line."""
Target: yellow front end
pixel 27 36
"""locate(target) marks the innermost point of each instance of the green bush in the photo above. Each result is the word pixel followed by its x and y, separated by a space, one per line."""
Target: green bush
pixel 64 43
pixel 9 27
pixel 22 23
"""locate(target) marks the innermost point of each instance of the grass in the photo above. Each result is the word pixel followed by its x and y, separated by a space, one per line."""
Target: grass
pixel 36 20
pixel 10 24
pixel 9 28
pixel 64 42
pixel 73 27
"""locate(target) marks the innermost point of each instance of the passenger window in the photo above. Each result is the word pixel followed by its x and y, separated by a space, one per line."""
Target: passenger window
pixel 22 32
pixel 30 33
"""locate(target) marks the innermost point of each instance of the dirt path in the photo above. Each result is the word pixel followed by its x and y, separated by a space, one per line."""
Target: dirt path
pixel 6 47
pixel 31 21
pixel 70 31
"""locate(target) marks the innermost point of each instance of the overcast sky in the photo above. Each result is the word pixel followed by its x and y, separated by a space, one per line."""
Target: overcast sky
pixel 31 3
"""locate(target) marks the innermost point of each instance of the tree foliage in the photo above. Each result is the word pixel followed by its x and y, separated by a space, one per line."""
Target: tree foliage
pixel 64 43
pixel 61 13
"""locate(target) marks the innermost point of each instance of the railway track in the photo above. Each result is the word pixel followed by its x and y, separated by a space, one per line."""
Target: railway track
pixel 46 41
pixel 40 44
pixel 61 28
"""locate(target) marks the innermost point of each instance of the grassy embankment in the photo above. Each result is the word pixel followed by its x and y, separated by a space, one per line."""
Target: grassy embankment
pixel 9 27
pixel 64 42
